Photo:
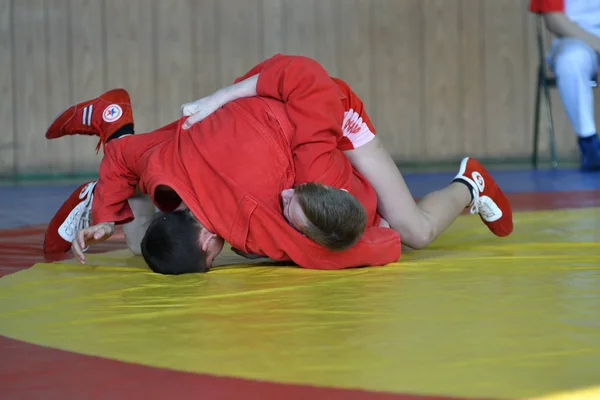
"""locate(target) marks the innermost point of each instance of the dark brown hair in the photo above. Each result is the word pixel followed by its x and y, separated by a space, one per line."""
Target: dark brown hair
pixel 170 245
pixel 336 219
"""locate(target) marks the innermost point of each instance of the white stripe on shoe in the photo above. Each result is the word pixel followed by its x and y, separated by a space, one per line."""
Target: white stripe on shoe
pixel 91 108
pixel 463 167
pixel 84 115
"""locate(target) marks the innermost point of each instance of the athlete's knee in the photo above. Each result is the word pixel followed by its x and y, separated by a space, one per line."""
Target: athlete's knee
pixel 418 239
pixel 419 234
pixel 573 58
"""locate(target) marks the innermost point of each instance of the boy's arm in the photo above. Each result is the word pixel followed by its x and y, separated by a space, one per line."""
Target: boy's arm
pixel 202 108
pixel 116 184
pixel 557 22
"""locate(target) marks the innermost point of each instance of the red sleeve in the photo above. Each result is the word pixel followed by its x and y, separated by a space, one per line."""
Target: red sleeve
pixel 270 235
pixel 546 6
pixel 356 127
pixel 314 108
pixel 377 246
pixel 116 184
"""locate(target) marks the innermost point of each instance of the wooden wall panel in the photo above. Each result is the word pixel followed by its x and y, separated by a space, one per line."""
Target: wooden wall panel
pixel 300 35
pixel 87 22
pixel 7 145
pixel 471 118
pixel 206 68
pixel 440 78
pixel 442 87
pixel 58 80
pixel 175 57
pixel 129 57
pixel 505 76
pixel 531 58
pixel 240 37
pixel 353 18
pixel 30 87
pixel 272 36
pixel 327 31
pixel 397 78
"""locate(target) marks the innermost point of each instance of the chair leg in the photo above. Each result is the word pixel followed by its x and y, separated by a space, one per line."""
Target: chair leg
pixel 536 123
pixel 550 127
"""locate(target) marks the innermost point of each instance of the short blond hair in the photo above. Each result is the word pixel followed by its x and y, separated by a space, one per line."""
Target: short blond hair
pixel 336 219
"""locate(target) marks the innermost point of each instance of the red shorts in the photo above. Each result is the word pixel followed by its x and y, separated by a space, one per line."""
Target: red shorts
pixel 357 127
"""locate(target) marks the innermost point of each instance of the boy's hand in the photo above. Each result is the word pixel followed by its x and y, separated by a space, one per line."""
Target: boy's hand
pixel 200 109
pixel 91 235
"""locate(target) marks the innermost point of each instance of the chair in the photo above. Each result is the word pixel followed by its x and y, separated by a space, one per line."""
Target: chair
pixel 544 83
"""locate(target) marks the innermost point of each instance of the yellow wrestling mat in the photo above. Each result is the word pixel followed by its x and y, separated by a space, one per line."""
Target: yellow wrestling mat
pixel 473 315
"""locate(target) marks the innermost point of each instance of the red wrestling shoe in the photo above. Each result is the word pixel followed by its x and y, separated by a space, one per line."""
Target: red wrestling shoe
pixel 75 214
pixel 488 200
pixel 102 117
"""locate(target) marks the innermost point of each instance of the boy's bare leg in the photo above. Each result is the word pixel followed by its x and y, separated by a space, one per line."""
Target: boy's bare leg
pixel 420 223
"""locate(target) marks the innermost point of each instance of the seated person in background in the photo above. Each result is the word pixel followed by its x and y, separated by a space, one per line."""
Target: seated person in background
pixel 573 57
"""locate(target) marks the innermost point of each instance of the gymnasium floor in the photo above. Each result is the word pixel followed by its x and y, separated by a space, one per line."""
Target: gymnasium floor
pixel 473 316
